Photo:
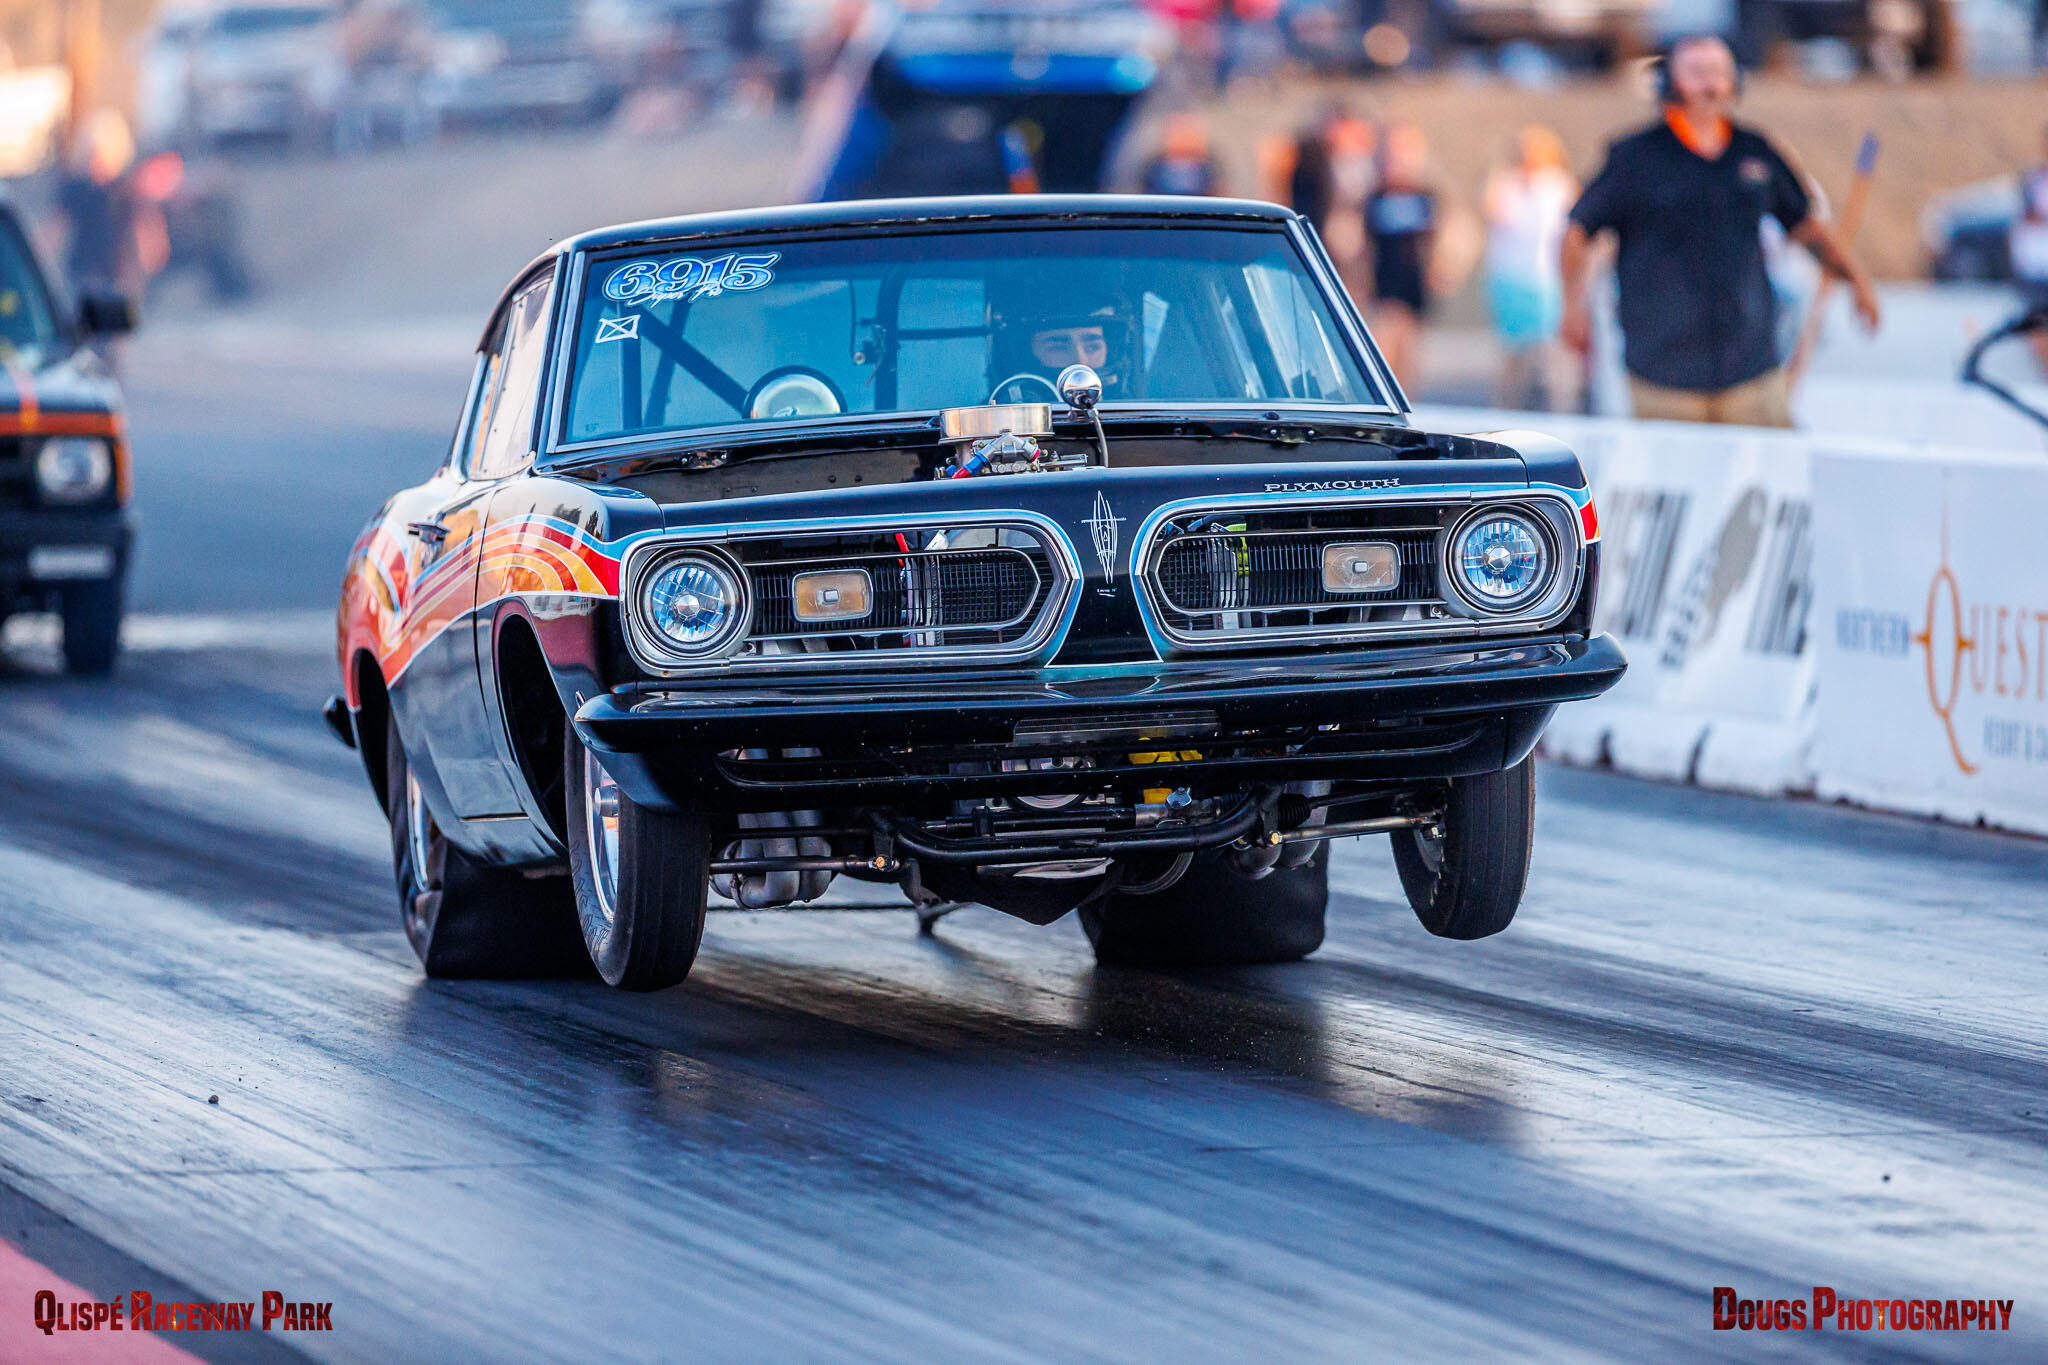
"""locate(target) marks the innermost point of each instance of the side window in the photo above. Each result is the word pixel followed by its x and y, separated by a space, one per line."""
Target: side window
pixel 475 411
pixel 505 417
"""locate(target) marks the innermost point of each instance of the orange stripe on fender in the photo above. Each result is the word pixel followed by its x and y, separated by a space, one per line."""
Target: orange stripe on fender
pixel 35 422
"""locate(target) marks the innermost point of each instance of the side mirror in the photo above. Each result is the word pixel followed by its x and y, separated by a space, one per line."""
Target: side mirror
pixel 106 314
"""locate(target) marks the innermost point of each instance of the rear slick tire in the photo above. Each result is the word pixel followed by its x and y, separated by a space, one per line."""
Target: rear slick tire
pixel 641 876
pixel 466 919
pixel 1213 917
pixel 1468 883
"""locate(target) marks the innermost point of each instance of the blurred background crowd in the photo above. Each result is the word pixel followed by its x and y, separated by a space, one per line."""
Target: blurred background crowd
pixel 274 157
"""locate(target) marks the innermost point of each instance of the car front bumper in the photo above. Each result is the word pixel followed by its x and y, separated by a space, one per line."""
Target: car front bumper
pixel 739 743
pixel 44 548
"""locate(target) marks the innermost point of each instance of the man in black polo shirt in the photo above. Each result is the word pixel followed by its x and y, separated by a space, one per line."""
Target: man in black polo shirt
pixel 1687 197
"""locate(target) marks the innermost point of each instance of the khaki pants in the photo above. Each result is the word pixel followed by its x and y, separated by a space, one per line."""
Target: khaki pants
pixel 1764 401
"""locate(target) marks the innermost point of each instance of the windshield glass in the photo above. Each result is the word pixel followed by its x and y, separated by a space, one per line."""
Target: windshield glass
pixel 28 325
pixel 906 322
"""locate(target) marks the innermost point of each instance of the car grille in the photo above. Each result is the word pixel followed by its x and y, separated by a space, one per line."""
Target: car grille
pixel 973 591
pixel 967 595
pixel 1245 576
pixel 1204 574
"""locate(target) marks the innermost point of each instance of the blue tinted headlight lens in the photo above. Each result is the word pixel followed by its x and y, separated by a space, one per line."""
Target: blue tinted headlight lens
pixel 695 605
pixel 1502 561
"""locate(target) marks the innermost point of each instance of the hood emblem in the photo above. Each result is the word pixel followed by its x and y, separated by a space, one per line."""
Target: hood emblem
pixel 1102 524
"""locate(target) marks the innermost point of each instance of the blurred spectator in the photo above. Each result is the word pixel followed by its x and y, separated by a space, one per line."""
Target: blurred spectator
pixel 1251 43
pixel 1186 163
pixel 1300 173
pixel 1526 203
pixel 2029 242
pixel 1400 229
pixel 187 219
pixel 1326 172
pixel 98 203
pixel 388 51
pixel 1686 197
pixel 1352 164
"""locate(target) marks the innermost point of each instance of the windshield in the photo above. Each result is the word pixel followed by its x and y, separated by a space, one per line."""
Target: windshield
pixel 28 325
pixel 907 322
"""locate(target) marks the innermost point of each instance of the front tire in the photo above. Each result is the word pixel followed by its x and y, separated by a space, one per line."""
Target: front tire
pixel 1213 917
pixel 92 627
pixel 466 919
pixel 641 876
pixel 1467 883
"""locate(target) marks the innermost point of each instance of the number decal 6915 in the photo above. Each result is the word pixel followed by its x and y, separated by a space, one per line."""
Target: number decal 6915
pixel 690 277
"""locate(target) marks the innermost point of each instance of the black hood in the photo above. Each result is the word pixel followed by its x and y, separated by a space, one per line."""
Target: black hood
pixel 78 382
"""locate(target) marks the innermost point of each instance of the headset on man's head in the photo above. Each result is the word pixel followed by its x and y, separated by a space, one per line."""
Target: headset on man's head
pixel 1660 65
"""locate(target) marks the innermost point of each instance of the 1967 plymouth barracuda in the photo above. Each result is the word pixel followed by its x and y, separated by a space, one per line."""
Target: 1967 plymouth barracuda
pixel 64 521
pixel 1045 553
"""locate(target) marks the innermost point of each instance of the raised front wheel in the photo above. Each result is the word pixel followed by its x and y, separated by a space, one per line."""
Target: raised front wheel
pixel 1465 879
pixel 641 877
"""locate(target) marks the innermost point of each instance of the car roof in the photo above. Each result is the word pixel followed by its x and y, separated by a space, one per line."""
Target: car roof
pixel 825 217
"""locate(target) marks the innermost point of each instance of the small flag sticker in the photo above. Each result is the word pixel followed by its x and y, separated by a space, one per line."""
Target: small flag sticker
pixel 618 329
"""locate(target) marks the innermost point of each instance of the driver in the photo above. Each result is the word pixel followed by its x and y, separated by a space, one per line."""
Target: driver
pixel 1057 342
pixel 1040 340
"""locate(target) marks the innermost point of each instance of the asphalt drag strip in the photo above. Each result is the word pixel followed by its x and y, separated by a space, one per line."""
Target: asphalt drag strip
pixel 1728 1043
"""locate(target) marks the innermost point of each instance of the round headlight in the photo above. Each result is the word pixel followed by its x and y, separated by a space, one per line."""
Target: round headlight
pixel 695 606
pixel 73 469
pixel 1501 561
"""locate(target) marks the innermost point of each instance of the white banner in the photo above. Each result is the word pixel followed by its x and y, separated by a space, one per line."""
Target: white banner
pixel 1863 619
pixel 1706 555
pixel 1932 632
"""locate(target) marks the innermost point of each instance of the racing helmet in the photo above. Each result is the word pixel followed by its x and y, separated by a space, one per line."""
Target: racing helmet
pixel 1042 330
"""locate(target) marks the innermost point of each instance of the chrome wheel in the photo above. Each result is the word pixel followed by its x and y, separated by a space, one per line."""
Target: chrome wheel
pixel 419 837
pixel 1430 848
pixel 601 833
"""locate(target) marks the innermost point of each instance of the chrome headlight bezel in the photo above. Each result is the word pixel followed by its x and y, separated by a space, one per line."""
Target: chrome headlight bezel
pixel 96 452
pixel 1540 534
pixel 656 645
pixel 1554 523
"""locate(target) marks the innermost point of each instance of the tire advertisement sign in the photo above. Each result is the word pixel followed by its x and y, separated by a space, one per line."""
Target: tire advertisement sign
pixel 1932 633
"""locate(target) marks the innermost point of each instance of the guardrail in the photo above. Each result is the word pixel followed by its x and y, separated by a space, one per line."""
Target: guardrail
pixel 1843 617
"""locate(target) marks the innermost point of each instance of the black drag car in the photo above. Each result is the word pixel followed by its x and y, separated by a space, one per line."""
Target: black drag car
pixel 1046 553
pixel 64 521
